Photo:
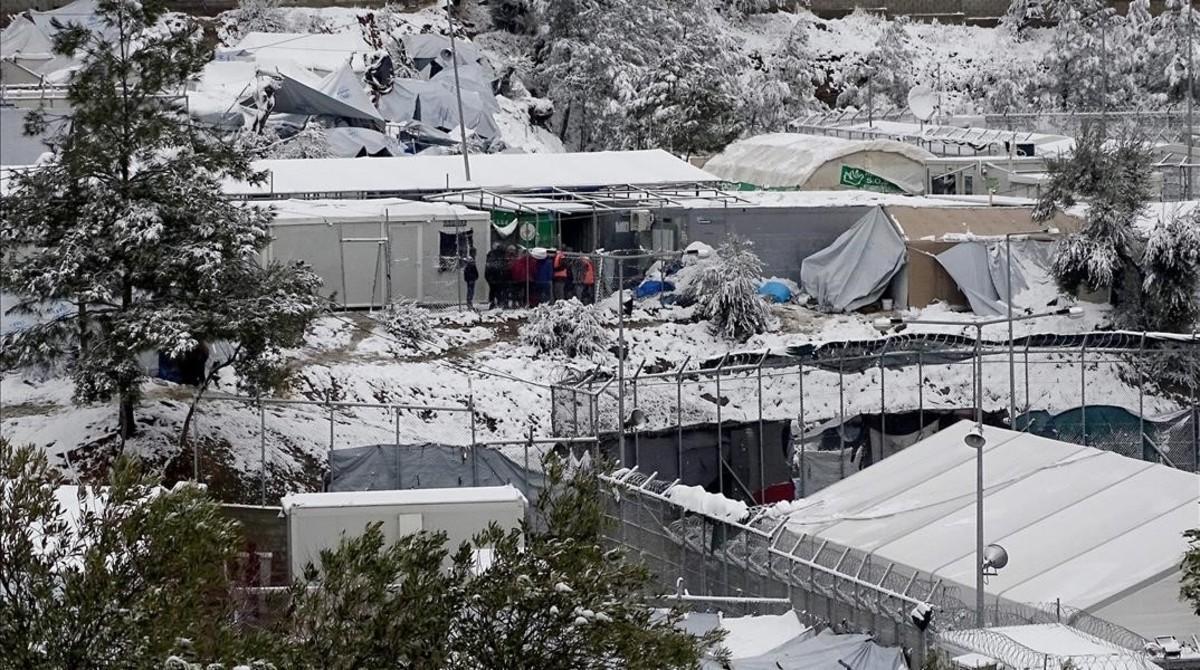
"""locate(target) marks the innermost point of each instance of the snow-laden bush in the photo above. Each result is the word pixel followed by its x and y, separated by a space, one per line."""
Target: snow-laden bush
pixel 566 326
pixel 727 292
pixel 1171 266
pixel 408 323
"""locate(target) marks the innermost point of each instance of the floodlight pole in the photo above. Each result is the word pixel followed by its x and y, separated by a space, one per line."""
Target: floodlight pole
pixel 885 324
pixel 1191 79
pixel 979 594
pixel 621 359
pixel 462 126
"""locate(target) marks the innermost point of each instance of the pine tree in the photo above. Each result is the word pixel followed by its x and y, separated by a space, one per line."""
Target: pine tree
pixel 728 292
pixel 687 102
pixel 558 599
pixel 884 75
pixel 1171 273
pixel 127 222
pixel 783 86
pixel 118 582
pixel 373 605
pixel 1020 15
pixel 1189 582
pixel 1154 279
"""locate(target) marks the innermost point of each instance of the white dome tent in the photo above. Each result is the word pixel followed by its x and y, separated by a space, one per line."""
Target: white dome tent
pixel 818 163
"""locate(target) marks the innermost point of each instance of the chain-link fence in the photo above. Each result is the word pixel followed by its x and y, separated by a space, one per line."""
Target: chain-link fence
pixel 759 565
pixel 855 403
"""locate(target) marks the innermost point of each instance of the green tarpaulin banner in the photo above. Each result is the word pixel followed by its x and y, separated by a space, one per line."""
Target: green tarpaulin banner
pixel 862 180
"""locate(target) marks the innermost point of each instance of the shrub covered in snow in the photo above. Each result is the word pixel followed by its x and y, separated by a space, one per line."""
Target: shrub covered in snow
pixel 727 292
pixel 1154 277
pixel 408 323
pixel 567 326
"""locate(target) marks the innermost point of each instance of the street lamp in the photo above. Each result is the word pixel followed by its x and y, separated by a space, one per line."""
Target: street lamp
pixel 975 438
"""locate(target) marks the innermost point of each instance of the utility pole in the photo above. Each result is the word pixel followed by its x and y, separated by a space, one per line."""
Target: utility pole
pixel 462 126
pixel 1191 84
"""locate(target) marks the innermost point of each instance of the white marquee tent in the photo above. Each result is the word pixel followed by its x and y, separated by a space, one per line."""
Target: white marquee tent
pixel 1099 531
pixel 816 162
pixel 500 172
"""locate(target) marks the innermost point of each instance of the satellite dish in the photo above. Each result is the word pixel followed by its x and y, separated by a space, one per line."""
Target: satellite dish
pixel 922 102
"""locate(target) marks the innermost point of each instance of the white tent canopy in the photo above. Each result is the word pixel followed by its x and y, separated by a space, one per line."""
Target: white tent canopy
pixel 1089 527
pixel 791 160
pixel 435 174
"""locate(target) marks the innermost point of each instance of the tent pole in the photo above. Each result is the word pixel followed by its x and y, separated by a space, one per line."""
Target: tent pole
pixel 462 127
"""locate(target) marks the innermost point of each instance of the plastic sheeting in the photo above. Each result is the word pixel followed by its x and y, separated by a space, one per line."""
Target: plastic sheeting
pixel 826 651
pixel 427 466
pixel 981 271
pixel 339 94
pixel 349 142
pixel 856 269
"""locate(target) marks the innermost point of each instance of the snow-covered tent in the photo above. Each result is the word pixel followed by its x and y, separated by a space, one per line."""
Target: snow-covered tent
pixel 957 256
pixel 816 162
pixel 368 251
pixel 417 175
pixel 339 94
pixel 431 53
pixel 919 255
pixel 351 142
pixel 1087 528
pixel 27 43
pixel 433 102
pixel 321 52
pixel 774 642
pixel 858 267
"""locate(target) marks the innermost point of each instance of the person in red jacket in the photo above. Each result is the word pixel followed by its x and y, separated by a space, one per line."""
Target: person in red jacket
pixel 521 271
pixel 562 273
pixel 585 280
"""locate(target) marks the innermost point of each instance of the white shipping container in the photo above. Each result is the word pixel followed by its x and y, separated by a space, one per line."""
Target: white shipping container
pixel 317 521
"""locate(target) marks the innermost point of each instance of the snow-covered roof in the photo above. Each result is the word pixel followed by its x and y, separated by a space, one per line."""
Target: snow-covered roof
pixel 836 199
pixel 390 209
pixel 435 174
pixel 317 51
pixel 1089 527
pixel 404 497
pixel 785 160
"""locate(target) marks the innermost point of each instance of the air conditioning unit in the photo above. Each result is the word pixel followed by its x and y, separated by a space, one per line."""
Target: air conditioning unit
pixel 640 220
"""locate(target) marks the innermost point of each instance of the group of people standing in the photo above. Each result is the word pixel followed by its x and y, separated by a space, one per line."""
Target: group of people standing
pixel 529 277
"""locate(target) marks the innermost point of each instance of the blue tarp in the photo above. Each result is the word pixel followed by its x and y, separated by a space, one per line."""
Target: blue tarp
pixel 775 291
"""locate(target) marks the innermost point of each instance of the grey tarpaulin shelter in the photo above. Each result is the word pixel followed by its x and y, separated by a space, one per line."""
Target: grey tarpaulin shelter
pixel 427 466
pixel 981 272
pixel 339 95
pixel 858 267
pixel 351 142
pixel 433 102
pixel 827 651
pixel 749 474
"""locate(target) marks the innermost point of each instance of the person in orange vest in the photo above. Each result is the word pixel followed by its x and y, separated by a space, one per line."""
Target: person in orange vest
pixel 561 274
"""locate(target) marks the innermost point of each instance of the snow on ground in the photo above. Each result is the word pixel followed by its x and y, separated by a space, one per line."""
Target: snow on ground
pixel 349 358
